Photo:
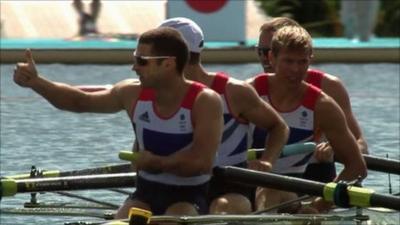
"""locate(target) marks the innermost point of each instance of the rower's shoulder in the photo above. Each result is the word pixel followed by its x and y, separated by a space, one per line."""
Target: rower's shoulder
pixel 334 87
pixel 251 80
pixel 331 81
pixel 241 96
pixel 128 83
pixel 127 87
pixel 236 87
pixel 209 93
pixel 325 104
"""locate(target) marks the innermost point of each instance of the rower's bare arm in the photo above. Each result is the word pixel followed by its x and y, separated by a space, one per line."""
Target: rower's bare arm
pixel 208 126
pixel 335 89
pixel 333 124
pixel 260 113
pixel 67 97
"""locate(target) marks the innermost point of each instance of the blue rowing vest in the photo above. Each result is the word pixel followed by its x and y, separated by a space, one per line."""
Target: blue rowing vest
pixel 301 124
pixel 234 143
pixel 164 136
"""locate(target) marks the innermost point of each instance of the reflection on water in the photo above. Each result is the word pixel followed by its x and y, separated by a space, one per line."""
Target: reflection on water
pixel 35 133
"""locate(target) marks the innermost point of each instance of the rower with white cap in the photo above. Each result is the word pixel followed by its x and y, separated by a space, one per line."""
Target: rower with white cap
pixel 241 107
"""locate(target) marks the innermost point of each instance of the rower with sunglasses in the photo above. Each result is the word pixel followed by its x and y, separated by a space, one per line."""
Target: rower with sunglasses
pixel 321 166
pixel 241 106
pixel 178 123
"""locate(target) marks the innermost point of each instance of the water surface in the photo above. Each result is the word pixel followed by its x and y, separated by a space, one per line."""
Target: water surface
pixel 35 133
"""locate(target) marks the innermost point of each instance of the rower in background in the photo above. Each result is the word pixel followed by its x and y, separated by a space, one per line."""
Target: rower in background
pixel 321 167
pixel 177 123
pixel 307 110
pixel 359 18
pixel 87 21
pixel 241 106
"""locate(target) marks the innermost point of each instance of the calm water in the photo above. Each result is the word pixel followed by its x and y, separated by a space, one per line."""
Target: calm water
pixel 35 133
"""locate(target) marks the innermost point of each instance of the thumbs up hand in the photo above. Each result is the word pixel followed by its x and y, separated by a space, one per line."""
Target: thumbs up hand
pixel 25 73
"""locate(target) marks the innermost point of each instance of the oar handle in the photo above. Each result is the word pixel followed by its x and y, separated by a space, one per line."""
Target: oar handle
pixel 8 187
pixel 252 154
pixel 291 149
pixel 373 162
pixel 128 155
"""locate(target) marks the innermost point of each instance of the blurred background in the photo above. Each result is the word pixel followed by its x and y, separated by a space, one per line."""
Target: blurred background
pixel 323 18
pixel 59 19
pixel 336 18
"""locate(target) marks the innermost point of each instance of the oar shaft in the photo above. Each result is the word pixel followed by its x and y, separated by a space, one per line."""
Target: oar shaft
pixel 117 168
pixel 373 162
pixel 357 196
pixel 263 179
pixel 382 164
pixel 386 201
pixel 10 187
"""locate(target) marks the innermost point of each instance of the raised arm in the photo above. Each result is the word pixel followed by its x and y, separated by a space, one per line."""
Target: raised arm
pixel 67 97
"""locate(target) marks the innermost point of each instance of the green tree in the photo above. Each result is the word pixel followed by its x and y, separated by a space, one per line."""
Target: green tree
pixel 319 17
pixel 322 18
pixel 388 19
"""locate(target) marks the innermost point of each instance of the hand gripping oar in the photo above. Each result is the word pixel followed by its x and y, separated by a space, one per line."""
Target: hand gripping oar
pixel 358 196
pixel 373 162
pixel 9 187
pixel 291 149
pixel 123 168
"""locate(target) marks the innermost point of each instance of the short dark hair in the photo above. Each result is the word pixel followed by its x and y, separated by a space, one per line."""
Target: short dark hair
pixel 166 41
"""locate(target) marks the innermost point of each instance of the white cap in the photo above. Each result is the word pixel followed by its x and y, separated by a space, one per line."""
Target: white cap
pixel 190 31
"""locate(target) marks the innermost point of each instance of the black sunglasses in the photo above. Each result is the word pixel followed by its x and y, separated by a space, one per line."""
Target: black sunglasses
pixel 143 60
pixel 262 50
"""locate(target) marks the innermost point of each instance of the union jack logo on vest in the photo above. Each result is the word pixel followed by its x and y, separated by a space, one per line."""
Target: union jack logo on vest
pixel 145 117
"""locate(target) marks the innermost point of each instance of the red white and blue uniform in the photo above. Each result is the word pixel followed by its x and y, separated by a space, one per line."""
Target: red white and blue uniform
pixel 301 124
pixel 164 136
pixel 234 144
pixel 314 77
